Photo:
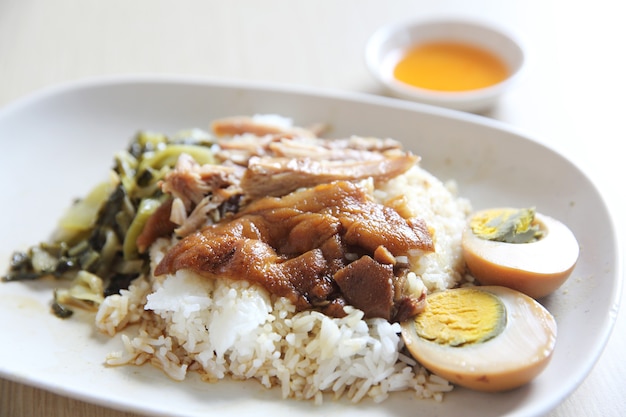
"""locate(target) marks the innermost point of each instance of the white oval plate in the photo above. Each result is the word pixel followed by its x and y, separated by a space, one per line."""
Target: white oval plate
pixel 57 143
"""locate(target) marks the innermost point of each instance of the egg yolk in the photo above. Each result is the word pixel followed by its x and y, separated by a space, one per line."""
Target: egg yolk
pixel 493 338
pixel 462 317
pixel 450 66
pixel 506 225
pixel 520 249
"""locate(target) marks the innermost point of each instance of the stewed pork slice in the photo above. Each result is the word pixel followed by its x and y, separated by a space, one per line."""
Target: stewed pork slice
pixel 366 283
pixel 300 245
pixel 364 223
pixel 158 225
pixel 271 176
pixel 239 149
pixel 262 126
pixel 280 159
pixel 191 182
pixel 351 148
pixel 241 138
pixel 196 191
pixel 203 193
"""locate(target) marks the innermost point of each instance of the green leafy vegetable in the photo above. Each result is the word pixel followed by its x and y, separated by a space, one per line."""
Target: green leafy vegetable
pixel 94 246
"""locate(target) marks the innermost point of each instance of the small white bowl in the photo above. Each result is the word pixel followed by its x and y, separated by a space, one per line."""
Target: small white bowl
pixel 388 43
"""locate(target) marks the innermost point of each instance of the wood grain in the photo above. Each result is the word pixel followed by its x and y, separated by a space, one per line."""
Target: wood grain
pixel 20 400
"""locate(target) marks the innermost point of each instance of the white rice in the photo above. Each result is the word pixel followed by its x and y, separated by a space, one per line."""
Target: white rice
pixel 233 329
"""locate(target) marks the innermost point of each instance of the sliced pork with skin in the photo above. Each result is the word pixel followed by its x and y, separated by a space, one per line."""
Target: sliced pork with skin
pixel 272 176
pixel 198 190
pixel 284 210
pixel 368 284
pixel 241 125
pixel 191 182
pixel 158 225
pixel 296 245
pixel 354 148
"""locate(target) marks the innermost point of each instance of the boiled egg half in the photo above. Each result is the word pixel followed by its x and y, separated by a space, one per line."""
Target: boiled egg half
pixel 519 249
pixel 487 338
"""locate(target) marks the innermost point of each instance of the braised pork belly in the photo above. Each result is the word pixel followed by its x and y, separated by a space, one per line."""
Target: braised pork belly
pixel 292 212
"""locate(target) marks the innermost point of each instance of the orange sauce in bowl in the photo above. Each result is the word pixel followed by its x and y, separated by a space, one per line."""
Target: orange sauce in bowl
pixel 450 66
